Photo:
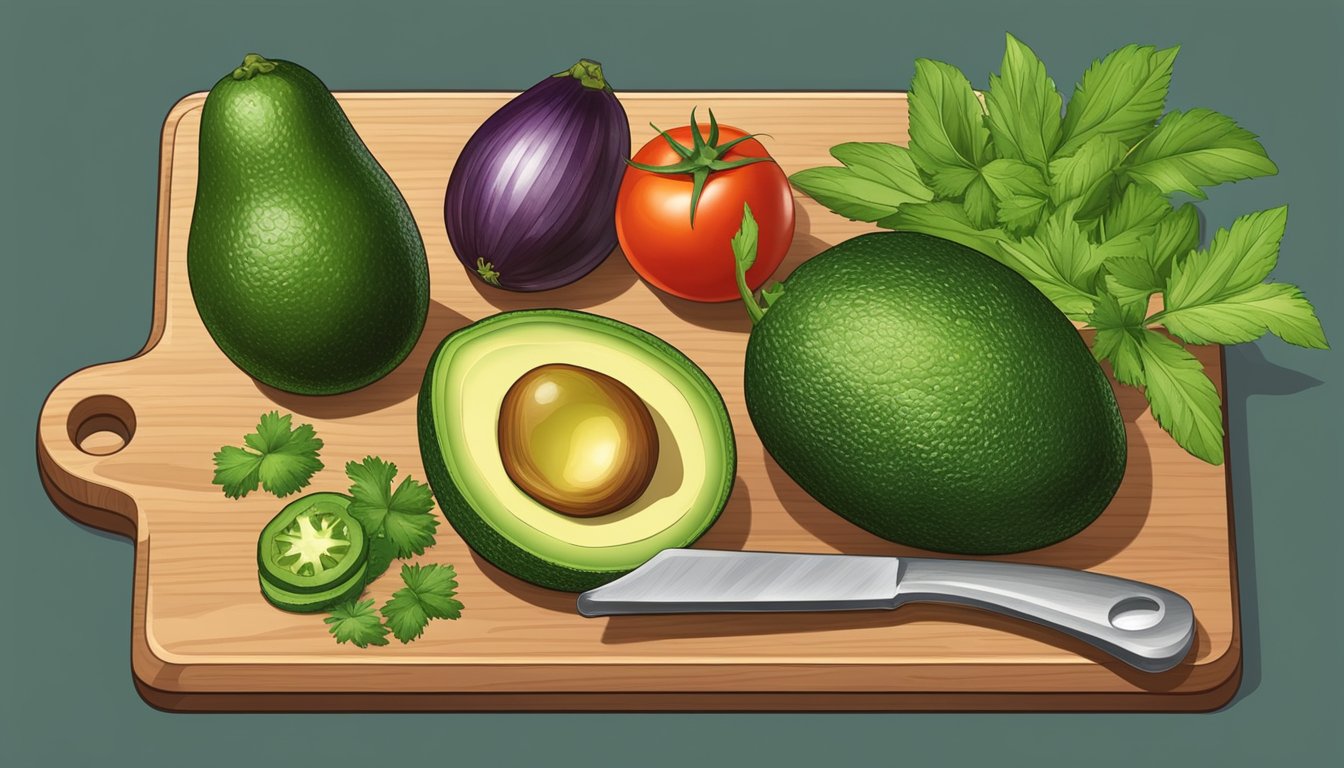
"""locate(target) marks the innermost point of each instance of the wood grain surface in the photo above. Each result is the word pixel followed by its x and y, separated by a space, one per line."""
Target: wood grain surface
pixel 126 446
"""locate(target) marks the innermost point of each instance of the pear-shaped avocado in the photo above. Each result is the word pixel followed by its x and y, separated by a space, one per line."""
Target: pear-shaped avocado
pixel 305 263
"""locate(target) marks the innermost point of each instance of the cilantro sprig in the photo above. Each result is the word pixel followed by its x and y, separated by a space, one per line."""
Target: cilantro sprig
pixel 402 518
pixel 429 594
pixel 282 459
pixel 1079 204
pixel 356 622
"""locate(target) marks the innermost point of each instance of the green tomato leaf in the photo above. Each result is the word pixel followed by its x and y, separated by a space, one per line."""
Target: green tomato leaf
pixel 1121 96
pixel 947 220
pixel 948 137
pixel 1184 400
pixel 1120 331
pixel 1198 148
pixel 1084 174
pixel 1024 107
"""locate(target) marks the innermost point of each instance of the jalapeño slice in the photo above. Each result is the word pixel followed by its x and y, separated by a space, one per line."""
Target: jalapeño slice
pixel 314 546
pixel 309 602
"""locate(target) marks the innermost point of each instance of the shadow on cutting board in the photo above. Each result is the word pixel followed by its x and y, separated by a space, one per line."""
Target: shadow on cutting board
pixel 401 384
pixel 642 629
pixel 1247 373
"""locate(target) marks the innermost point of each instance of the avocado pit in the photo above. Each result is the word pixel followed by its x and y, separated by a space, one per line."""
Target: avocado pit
pixel 578 441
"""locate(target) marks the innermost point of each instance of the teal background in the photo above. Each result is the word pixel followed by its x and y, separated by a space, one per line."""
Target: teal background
pixel 85 90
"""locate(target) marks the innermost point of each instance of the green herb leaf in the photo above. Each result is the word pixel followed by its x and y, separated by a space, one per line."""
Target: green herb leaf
pixel 382 551
pixel 1216 296
pixel 429 594
pixel 1174 237
pixel 1198 148
pixel 1060 261
pixel 356 622
pixel 1119 333
pixel 1021 191
pixel 1083 175
pixel 979 204
pixel 282 460
pixel 1121 96
pixel 877 179
pixel 948 137
pixel 403 516
pixel 1184 400
pixel 1134 275
pixel 947 220
pixel 1024 107
pixel 1139 210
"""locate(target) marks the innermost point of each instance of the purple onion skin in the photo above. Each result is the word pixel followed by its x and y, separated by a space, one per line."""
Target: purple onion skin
pixel 533 193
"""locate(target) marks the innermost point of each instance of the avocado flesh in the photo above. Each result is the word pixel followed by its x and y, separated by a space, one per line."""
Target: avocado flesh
pixel 934 397
pixel 304 261
pixel 459 407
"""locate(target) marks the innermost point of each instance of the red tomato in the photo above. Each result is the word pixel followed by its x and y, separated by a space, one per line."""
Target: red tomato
pixel 653 218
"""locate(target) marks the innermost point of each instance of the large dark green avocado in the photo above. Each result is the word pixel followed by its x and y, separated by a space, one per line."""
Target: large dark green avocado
pixel 305 263
pixel 934 397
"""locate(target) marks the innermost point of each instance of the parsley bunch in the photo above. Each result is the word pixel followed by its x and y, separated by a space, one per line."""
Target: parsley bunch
pixel 1077 201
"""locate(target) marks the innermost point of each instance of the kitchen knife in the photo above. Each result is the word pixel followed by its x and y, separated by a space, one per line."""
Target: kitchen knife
pixel 1145 626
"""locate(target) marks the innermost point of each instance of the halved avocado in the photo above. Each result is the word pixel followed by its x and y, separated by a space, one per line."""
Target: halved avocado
pixel 459 408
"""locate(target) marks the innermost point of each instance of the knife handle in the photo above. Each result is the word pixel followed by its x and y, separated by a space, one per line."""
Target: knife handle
pixel 1145 626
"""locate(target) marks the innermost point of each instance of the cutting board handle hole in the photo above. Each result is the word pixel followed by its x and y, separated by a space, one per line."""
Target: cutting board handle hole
pixel 101 425
pixel 1136 613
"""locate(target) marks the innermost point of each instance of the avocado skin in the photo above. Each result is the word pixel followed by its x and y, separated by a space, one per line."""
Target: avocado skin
pixel 489 543
pixel 305 263
pixel 934 397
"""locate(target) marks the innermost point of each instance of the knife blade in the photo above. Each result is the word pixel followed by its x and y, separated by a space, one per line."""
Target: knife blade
pixel 1147 627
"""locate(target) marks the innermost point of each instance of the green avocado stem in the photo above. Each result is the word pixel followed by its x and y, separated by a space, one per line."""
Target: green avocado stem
pixel 253 64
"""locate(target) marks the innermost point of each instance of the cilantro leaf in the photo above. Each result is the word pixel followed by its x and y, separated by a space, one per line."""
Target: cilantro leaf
pixel 1021 190
pixel 1121 96
pixel 1184 400
pixel 1131 278
pixel 428 594
pixel 1085 173
pixel 356 622
pixel 1024 107
pixel 1216 296
pixel 1119 333
pixel 948 137
pixel 1198 148
pixel 1060 261
pixel 282 460
pixel 402 516
pixel 947 220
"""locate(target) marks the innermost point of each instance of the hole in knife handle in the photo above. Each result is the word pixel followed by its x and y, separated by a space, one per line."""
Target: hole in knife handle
pixel 101 425
pixel 1135 613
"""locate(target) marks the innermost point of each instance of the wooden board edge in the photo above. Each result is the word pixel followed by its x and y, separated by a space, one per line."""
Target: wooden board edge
pixel 147 668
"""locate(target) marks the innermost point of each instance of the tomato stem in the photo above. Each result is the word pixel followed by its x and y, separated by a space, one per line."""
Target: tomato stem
pixel 701 159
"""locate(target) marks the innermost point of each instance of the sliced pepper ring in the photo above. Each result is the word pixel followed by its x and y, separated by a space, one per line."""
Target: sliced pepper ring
pixel 313 546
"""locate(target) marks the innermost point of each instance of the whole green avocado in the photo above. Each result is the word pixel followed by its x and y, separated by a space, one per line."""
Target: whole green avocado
pixel 304 261
pixel 934 397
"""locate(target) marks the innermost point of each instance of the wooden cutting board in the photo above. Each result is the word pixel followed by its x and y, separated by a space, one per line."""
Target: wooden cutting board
pixel 126 446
